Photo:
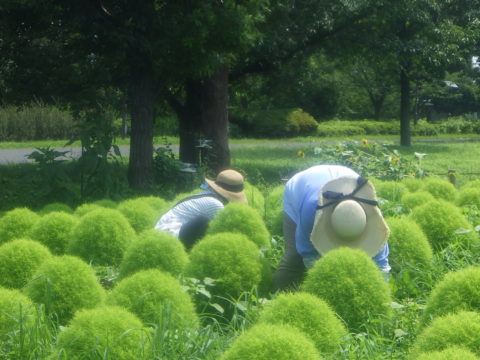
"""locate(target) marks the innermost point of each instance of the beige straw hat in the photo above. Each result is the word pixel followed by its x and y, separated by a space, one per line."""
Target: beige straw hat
pixel 229 184
pixel 348 215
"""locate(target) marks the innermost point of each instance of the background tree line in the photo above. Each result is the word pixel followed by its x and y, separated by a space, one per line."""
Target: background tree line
pixel 204 59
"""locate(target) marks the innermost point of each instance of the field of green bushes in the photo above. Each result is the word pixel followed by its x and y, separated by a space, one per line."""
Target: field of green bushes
pixel 92 280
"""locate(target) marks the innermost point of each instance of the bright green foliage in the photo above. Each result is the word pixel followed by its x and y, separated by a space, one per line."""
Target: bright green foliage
pixel 16 223
pixel 154 250
pixel 149 293
pixel 451 353
pixel 106 203
pixel 56 206
pixel 255 198
pixel 411 200
pixel 157 203
pixel 105 330
pixel 139 213
pixel 86 208
pixel 240 218
pixel 440 220
pixel 230 258
pixel 274 210
pixel 65 284
pixel 460 329
pixel 53 230
pixel 440 189
pixel 267 342
pixel 412 184
pixel 471 184
pixel 459 290
pixel 408 244
pixel 311 315
pixel 390 190
pixel 349 280
pixel 469 196
pixel 15 310
pixel 101 237
pixel 19 259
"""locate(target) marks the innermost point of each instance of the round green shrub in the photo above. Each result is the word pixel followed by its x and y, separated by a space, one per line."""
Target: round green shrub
pixel 440 189
pixel 101 237
pixel 106 203
pixel 311 315
pixel 255 198
pixel 160 205
pixel 408 244
pixel 390 190
pixel 139 213
pixel 349 280
pixel 154 250
pixel 412 184
pixel 240 218
pixel 451 353
pixel 105 330
pixel 86 208
pixel 230 258
pixel 460 329
pixel 16 223
pixel 267 342
pixel 19 259
pixel 53 230
pixel 274 210
pixel 459 290
pixel 56 206
pixel 149 293
pixel 469 196
pixel 16 311
pixel 471 184
pixel 411 200
pixel 440 220
pixel 65 284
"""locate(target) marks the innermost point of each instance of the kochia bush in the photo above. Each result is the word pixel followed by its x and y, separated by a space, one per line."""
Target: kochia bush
pixel 16 311
pixel 468 196
pixel 255 198
pixel 267 342
pixel 351 283
pixel 460 329
pixel 159 204
pixel 274 210
pixel 19 259
pixel 459 290
pixel 230 258
pixel 154 250
pixel 440 220
pixel 390 190
pixel 101 237
pixel 149 293
pixel 139 213
pixel 105 330
pixel 56 206
pixel 16 223
pixel 440 189
pixel 411 200
pixel 311 315
pixel 412 184
pixel 240 218
pixel 65 284
pixel 451 353
pixel 53 230
pixel 86 208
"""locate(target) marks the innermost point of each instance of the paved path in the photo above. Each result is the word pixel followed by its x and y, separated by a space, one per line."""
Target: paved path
pixel 20 155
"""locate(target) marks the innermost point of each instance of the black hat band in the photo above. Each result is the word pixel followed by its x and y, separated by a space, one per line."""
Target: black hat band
pixel 232 188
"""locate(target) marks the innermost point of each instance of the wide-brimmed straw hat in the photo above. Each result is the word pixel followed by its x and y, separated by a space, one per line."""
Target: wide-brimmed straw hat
pixel 229 184
pixel 348 215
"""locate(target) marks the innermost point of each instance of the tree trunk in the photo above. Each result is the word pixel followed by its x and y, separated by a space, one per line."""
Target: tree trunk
pixel 377 102
pixel 190 119
pixel 405 136
pixel 215 119
pixel 141 138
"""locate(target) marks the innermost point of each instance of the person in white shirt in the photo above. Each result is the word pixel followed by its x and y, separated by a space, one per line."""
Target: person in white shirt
pixel 189 218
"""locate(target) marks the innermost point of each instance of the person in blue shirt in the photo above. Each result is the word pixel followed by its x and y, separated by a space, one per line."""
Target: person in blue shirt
pixel 325 207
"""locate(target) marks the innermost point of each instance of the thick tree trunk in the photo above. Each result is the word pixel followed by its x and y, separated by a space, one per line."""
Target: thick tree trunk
pixel 190 120
pixel 215 119
pixel 141 138
pixel 405 136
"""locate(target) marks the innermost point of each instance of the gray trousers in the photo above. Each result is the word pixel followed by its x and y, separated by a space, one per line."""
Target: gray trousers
pixel 291 269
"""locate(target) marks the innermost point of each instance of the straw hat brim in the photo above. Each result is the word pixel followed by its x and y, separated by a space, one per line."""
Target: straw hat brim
pixel 375 234
pixel 229 195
